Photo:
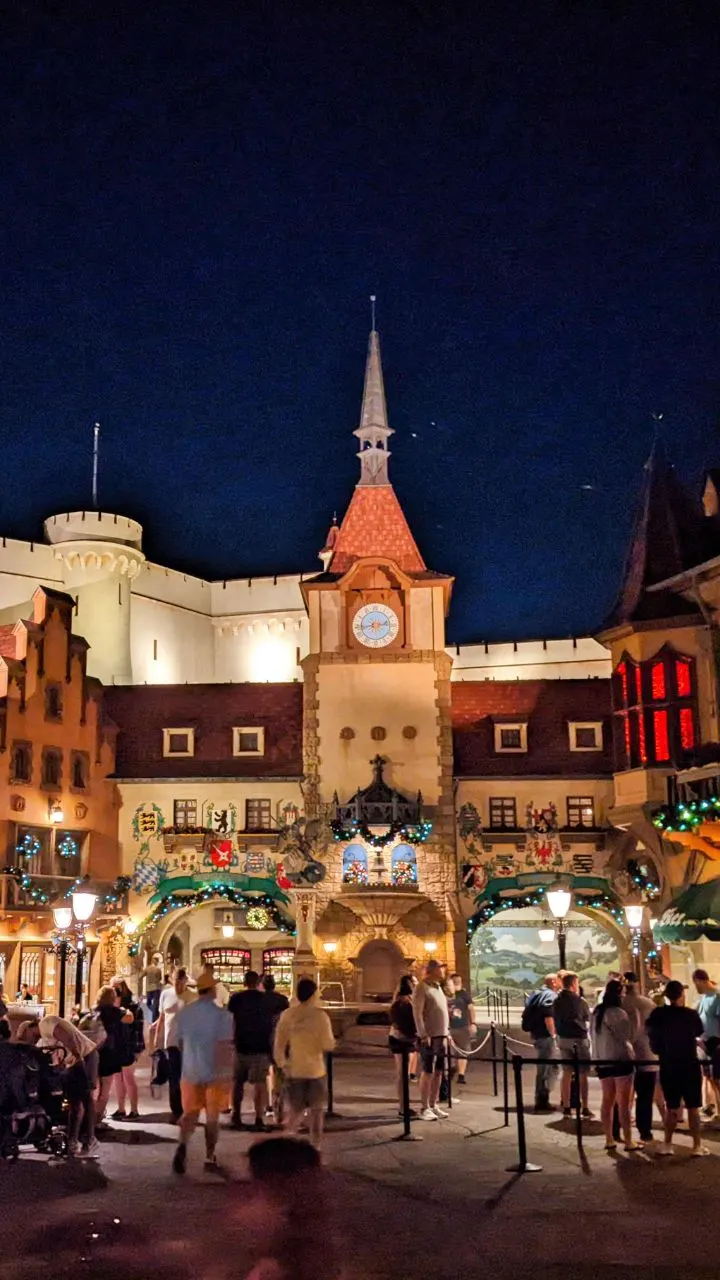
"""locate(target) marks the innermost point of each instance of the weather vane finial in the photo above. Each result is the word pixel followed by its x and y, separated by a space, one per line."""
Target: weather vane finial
pixel 96 450
pixel 373 300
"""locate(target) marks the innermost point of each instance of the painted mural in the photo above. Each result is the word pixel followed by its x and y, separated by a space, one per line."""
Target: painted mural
pixel 507 953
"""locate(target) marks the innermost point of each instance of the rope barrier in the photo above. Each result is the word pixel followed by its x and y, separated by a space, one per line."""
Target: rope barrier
pixel 469 1053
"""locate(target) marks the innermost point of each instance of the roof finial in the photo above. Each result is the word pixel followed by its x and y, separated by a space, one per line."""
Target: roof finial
pixel 373 300
pixel 96 449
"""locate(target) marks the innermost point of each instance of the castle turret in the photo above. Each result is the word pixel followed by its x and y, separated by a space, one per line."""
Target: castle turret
pixel 100 556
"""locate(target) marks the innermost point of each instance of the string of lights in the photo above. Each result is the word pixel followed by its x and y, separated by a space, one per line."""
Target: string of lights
pixel 688 815
pixel 38 894
pixel 536 898
pixel 412 833
pixel 214 889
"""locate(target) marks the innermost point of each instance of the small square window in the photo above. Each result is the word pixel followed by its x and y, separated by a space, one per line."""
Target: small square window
pixel 511 737
pixel 581 811
pixel 503 813
pixel 258 815
pixel 178 742
pixel 248 742
pixel 585 735
pixel 184 814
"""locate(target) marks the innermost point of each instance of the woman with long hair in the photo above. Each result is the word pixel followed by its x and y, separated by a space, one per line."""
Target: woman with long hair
pixel 613 1037
pixel 403 1032
pixel 113 1019
pixel 131 1045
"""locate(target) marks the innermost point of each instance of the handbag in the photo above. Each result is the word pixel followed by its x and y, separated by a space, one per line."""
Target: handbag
pixel 160 1072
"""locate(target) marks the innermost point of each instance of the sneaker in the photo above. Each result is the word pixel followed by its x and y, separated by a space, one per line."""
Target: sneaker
pixel 179 1163
pixel 269 1113
pixel 441 1115
pixel 118 1115
pixel 73 1150
pixel 664 1149
pixel 412 1076
pixel 134 1115
pixel 709 1110
pixel 611 1146
pixel 259 1126
pixel 427 1114
pixel 567 1112
pixel 700 1151
pixel 91 1151
pixel 211 1164
pixel 461 1080
pixel 587 1114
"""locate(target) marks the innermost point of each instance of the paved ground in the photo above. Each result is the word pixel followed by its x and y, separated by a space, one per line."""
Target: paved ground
pixel 444 1207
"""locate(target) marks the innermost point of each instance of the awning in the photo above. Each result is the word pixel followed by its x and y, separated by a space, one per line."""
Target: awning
pixel 694 914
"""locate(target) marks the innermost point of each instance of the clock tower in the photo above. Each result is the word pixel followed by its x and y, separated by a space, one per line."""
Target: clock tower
pixel 377 677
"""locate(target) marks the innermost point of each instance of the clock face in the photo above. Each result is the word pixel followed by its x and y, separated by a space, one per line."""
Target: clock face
pixel 375 625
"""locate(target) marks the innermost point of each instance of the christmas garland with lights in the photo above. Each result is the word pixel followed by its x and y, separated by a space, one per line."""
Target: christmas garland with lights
pixel 38 895
pixel 29 847
pixel 411 833
pixel 183 900
pixel 535 898
pixel 688 815
pixel 649 887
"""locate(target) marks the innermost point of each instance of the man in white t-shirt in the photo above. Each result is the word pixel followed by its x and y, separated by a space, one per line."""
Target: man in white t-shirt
pixel 172 1000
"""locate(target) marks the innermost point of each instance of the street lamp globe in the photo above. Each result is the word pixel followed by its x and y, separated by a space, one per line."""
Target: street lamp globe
pixel 547 934
pixel 83 905
pixel 63 917
pixel 634 912
pixel 559 902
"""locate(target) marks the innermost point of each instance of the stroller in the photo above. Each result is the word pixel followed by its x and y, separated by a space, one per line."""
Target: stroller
pixel 32 1103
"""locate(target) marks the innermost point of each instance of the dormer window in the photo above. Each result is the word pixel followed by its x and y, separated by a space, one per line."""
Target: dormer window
pixel 178 742
pixel 586 735
pixel 511 736
pixel 248 741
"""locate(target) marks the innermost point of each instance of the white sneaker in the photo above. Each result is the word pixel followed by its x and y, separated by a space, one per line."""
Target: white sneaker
pixel 663 1149
pixel 700 1151
pixel 441 1115
pixel 427 1114
pixel 91 1152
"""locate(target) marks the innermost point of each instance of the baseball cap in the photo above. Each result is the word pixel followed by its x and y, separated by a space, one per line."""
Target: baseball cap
pixel 205 982
pixel 674 989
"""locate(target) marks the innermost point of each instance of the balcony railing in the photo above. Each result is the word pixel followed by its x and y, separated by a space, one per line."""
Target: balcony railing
pixel 14 897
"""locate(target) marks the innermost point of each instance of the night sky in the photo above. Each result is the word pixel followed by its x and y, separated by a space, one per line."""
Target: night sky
pixel 196 200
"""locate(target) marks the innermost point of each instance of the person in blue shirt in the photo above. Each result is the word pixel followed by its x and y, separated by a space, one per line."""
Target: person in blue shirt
pixel 538 1020
pixel 708 1007
pixel 204 1035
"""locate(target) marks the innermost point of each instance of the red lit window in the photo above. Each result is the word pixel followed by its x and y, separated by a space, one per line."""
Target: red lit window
pixel 683 677
pixel 622 672
pixel 657 681
pixel 626 729
pixel 638 684
pixel 687 729
pixel 642 748
pixel 660 733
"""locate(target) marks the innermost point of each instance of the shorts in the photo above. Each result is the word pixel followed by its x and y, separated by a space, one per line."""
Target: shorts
pixel 306 1095
pixel 76 1084
pixel 616 1071
pixel 462 1037
pixel 711 1068
pixel 567 1049
pixel 251 1068
pixel 211 1098
pixel 396 1045
pixel 433 1055
pixel 682 1085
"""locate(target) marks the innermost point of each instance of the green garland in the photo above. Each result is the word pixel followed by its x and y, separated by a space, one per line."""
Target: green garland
pixel 413 833
pixel 38 895
pixel 688 815
pixel 535 898
pixel 176 900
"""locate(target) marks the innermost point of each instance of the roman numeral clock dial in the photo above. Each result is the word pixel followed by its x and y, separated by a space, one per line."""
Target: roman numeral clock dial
pixel 375 625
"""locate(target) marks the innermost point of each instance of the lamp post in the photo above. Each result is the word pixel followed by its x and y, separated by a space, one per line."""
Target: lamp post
pixel 559 901
pixel 78 914
pixel 63 917
pixel 83 905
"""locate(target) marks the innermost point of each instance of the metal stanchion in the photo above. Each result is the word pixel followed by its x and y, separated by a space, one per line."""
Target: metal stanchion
pixel 522 1165
pixel 493 1055
pixel 407 1135
pixel 506 1090
pixel 507 1009
pixel 487 993
pixel 330 1111
pixel 578 1100
pixel 448 1061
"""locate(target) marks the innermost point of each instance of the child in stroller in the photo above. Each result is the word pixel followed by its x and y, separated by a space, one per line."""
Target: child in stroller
pixel 32 1104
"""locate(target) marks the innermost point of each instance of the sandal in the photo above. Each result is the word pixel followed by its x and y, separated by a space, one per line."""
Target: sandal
pixel 611 1146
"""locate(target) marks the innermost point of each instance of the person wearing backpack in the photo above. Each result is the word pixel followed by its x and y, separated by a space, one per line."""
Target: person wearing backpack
pixel 539 1022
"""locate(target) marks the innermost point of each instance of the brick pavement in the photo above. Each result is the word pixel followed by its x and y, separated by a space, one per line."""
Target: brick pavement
pixel 444 1207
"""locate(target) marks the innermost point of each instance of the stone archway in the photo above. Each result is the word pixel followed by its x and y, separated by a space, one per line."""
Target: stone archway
pixel 380 964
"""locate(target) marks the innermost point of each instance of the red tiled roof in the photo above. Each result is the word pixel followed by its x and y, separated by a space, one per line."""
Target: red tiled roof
pixel 374 525
pixel 8 640
pixel 547 706
pixel 141 712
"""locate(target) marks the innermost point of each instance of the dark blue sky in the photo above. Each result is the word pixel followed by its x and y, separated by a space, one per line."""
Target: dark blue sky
pixel 197 199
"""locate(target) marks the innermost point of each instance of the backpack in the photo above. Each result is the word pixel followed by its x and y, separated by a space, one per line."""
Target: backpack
pixel 534 1015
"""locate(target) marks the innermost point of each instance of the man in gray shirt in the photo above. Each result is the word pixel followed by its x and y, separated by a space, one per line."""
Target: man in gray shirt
pixel 572 1025
pixel 432 1020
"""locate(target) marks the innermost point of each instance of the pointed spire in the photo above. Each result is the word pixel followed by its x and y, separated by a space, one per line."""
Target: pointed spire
pixel 373 432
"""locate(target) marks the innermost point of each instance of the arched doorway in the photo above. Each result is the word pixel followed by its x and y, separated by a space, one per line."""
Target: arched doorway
pixel 507 952
pixel 380 965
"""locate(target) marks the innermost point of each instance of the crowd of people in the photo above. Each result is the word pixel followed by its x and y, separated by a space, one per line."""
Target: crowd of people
pixel 647 1052
pixel 431 1020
